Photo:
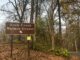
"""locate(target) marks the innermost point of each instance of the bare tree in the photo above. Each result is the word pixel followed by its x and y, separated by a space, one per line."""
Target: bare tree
pixel 17 10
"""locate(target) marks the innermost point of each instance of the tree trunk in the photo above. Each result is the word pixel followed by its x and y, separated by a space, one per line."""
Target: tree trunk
pixel 60 29
pixel 32 11
pixel 51 25
pixel 31 21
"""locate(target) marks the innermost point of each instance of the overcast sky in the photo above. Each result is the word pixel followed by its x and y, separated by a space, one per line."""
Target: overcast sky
pixel 2 16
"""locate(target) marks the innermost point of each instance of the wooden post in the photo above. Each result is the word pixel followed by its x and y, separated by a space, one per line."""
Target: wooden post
pixel 11 45
pixel 28 50
pixel 28 40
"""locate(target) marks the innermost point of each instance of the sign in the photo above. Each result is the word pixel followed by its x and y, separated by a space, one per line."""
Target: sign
pixel 29 38
pixel 19 28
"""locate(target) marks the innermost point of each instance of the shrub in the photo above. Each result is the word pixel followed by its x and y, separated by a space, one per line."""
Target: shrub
pixel 61 52
pixel 17 41
pixel 41 47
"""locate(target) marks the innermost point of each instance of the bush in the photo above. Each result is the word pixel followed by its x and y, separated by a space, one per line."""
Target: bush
pixel 17 41
pixel 61 52
pixel 41 47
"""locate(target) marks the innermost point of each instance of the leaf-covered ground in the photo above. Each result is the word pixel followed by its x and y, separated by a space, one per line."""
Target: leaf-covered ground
pixel 20 53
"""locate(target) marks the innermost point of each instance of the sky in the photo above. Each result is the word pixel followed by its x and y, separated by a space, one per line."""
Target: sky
pixel 2 16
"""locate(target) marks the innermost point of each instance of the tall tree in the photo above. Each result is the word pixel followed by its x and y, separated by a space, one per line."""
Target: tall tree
pixel 59 16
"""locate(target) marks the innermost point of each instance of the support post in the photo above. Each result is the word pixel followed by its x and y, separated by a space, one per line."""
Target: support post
pixel 28 41
pixel 28 50
pixel 11 45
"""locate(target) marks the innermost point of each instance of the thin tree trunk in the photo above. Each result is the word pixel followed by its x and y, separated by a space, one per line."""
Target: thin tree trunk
pixel 31 21
pixel 36 17
pixel 32 11
pixel 51 25
pixel 60 29
pixel 76 46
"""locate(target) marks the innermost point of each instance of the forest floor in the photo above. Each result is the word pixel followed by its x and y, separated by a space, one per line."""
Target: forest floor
pixel 20 53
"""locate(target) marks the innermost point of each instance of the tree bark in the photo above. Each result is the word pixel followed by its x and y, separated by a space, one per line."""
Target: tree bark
pixel 60 29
